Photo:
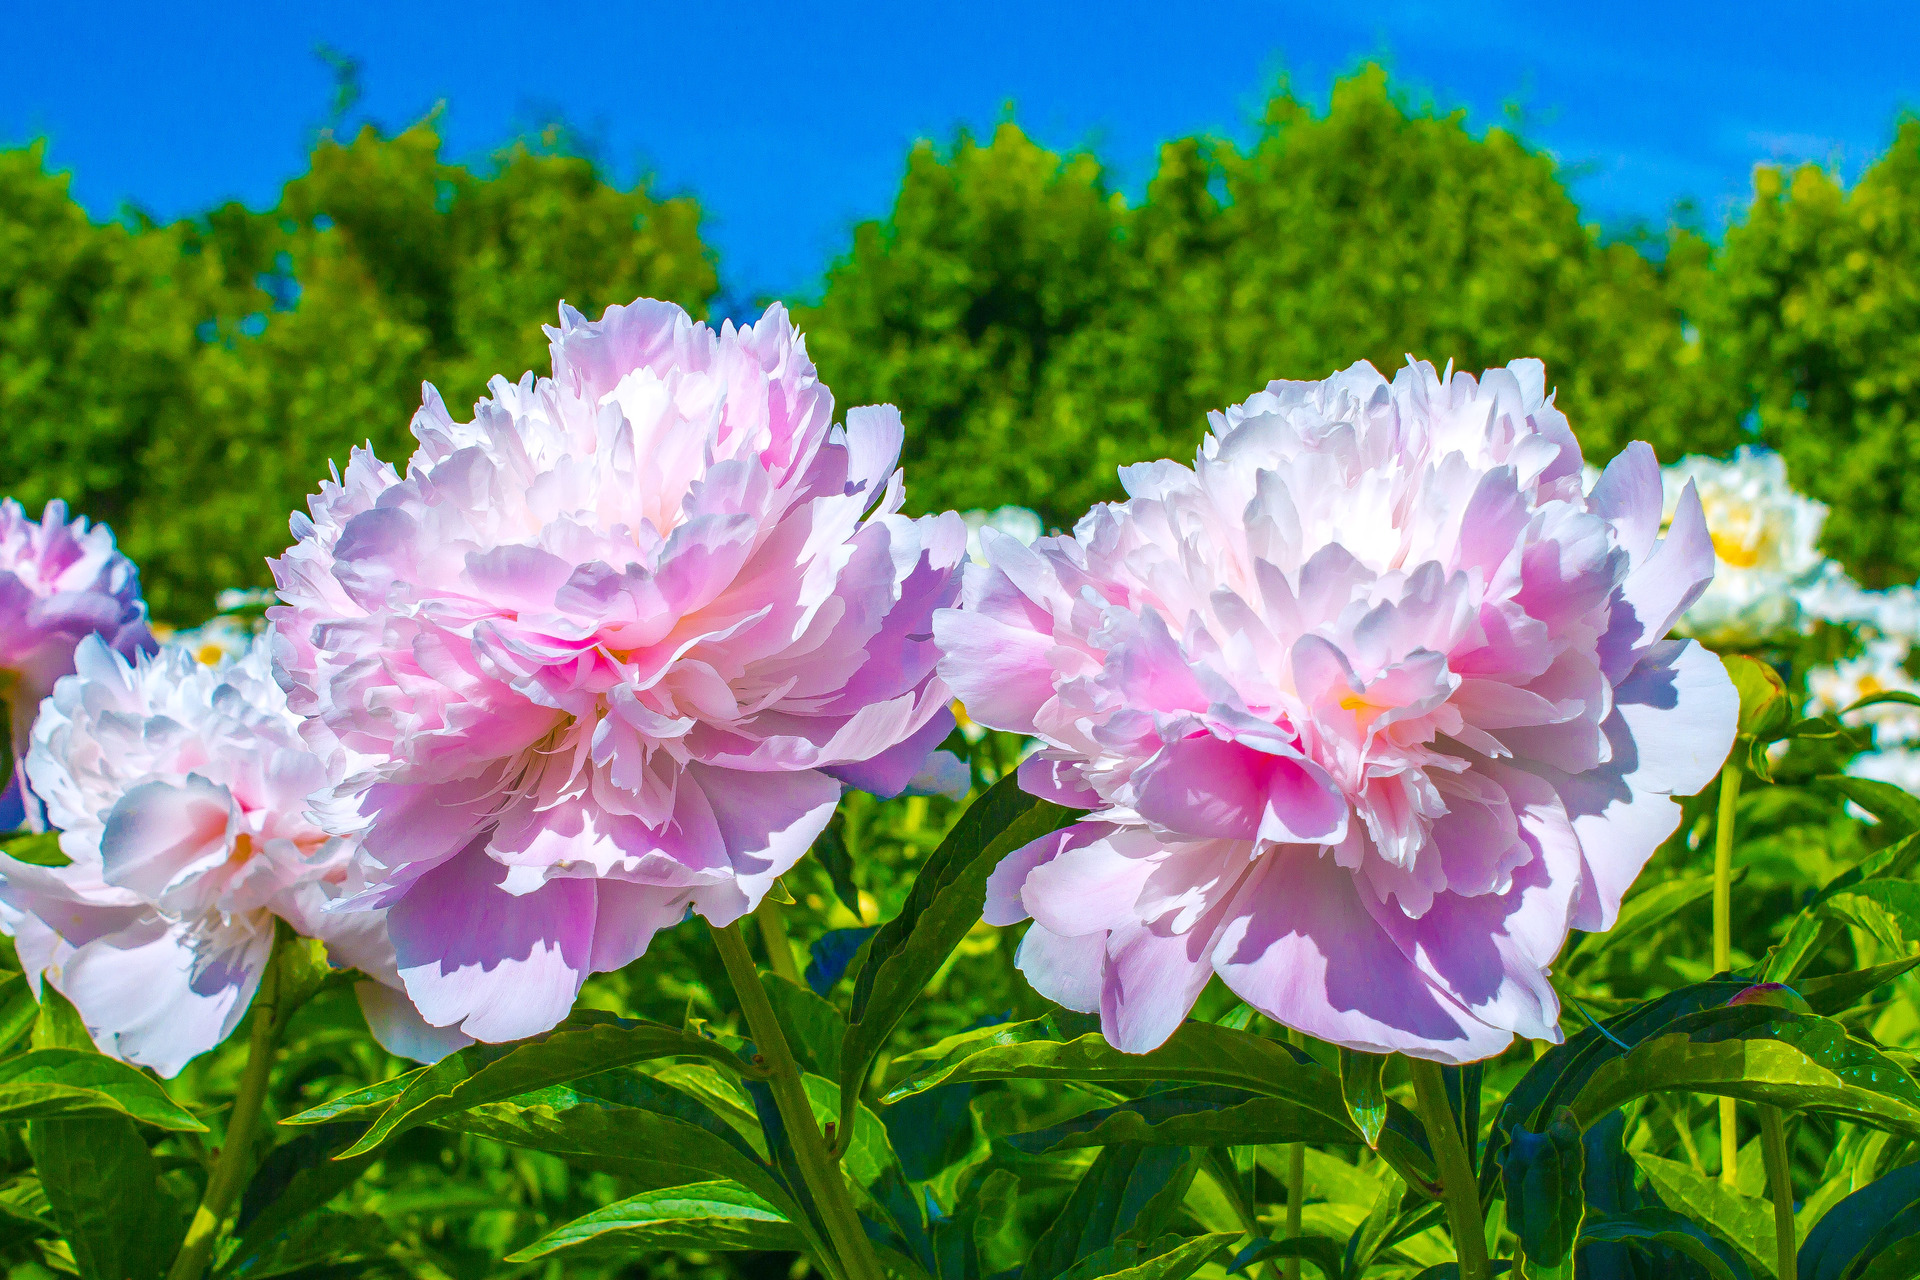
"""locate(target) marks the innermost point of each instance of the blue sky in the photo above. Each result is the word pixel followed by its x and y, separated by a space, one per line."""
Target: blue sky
pixel 791 122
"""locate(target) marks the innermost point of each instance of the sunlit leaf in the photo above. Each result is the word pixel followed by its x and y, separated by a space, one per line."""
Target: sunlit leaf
pixel 104 1190
pixel 700 1215
pixel 49 1083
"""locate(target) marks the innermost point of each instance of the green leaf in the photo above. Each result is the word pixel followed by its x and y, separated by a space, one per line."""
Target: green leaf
pixel 815 1028
pixel 51 1083
pixel 1203 1116
pixel 1323 1253
pixel 296 1178
pixel 1127 1190
pixel 1745 1222
pixel 1761 1053
pixel 648 1132
pixel 324 1244
pixel 699 1215
pixel 105 1192
pixel 831 850
pixel 1361 1090
pixel 1814 927
pixel 927 1068
pixel 59 1025
pixel 1657 1226
pixel 1543 1174
pixel 1862 1224
pixel 1167 1258
pixel 18 1009
pixel 37 848
pixel 369 1103
pixel 1651 906
pixel 1897 808
pixel 583 1045
pixel 1838 992
pixel 1899 1261
pixel 947 897
pixel 1885 907
pixel 1900 696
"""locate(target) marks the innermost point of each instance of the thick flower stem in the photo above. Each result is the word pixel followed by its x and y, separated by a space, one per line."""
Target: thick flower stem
pixel 1723 938
pixel 773 935
pixel 1458 1187
pixel 1773 1144
pixel 855 1259
pixel 233 1165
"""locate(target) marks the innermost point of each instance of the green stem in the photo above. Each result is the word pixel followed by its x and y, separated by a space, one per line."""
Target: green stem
pixel 1723 827
pixel 855 1258
pixel 1459 1189
pixel 1296 1182
pixel 1773 1144
pixel 231 1167
pixel 773 935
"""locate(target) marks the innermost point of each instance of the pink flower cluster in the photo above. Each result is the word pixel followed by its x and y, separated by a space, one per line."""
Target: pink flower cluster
pixel 180 792
pixel 608 652
pixel 60 581
pixel 1367 708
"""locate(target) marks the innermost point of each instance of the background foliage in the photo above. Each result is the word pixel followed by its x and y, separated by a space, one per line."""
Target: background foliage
pixel 187 382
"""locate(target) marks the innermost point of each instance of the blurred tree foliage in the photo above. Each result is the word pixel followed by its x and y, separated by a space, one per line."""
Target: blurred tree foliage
pixel 190 383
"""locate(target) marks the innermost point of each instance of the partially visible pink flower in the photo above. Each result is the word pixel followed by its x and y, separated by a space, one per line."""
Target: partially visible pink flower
pixel 180 792
pixel 60 581
pixel 1367 708
pixel 609 651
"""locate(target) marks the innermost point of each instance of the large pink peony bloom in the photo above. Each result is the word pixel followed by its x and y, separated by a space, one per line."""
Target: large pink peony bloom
pixel 609 651
pixel 1369 707
pixel 60 581
pixel 180 791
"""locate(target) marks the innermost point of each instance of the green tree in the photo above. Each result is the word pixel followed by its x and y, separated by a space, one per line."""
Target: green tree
pixel 1037 332
pixel 191 384
pixel 1818 322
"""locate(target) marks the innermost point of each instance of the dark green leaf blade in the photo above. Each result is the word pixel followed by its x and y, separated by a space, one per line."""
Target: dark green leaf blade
pixel 581 1046
pixel 701 1215
pixel 1544 1175
pixel 51 1083
pixel 104 1191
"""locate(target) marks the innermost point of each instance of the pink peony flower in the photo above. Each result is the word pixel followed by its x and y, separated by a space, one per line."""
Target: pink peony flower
pixel 609 651
pixel 180 791
pixel 1368 708
pixel 60 582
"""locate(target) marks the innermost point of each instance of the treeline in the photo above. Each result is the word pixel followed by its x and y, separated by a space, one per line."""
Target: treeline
pixel 189 382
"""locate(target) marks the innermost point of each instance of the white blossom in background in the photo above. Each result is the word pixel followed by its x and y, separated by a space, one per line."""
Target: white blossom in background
pixel 1016 522
pixel 230 631
pixel 1766 549
pixel 1880 668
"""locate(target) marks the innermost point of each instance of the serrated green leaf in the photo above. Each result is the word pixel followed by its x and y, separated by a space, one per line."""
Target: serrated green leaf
pixel 1744 1222
pixel 1361 1090
pixel 104 1190
pixel 49 1083
pixel 1761 1053
pixel 583 1045
pixel 700 1215
pixel 946 901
